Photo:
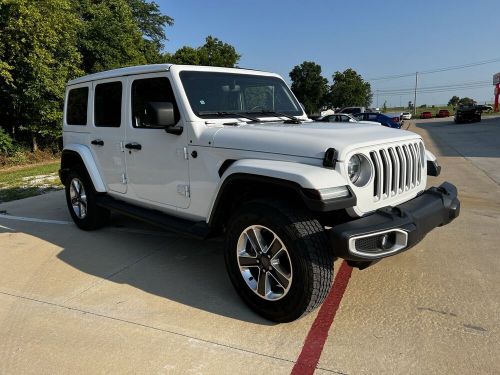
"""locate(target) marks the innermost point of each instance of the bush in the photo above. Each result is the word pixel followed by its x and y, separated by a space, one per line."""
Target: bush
pixel 6 145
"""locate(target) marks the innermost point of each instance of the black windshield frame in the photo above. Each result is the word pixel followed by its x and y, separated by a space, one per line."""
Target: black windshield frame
pixel 211 92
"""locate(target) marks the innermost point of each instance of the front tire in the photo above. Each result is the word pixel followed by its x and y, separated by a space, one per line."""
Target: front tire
pixel 278 259
pixel 81 201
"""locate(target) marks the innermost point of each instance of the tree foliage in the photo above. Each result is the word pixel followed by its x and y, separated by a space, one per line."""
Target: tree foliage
pixel 466 101
pixel 38 55
pixel 213 53
pixel 453 101
pixel 310 87
pixel 349 89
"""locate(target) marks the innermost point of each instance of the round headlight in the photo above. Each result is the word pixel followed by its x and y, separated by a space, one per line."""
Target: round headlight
pixel 359 170
pixel 354 168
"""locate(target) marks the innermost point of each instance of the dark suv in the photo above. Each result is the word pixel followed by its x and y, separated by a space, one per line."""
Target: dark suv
pixel 468 114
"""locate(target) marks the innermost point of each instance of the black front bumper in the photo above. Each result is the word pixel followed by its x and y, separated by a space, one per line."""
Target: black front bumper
pixel 370 238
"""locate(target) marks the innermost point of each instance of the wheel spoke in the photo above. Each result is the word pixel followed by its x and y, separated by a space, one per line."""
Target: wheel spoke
pixel 83 209
pixel 275 248
pixel 248 261
pixel 76 186
pixel 280 277
pixel 262 284
pixel 254 241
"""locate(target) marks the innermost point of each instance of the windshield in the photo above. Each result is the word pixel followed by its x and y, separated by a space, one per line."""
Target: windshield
pixel 211 94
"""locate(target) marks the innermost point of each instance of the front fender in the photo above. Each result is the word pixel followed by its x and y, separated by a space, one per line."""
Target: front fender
pixel 90 164
pixel 289 174
pixel 307 176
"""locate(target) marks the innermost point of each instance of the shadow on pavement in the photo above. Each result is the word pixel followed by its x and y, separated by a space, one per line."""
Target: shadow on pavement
pixel 188 271
pixel 478 139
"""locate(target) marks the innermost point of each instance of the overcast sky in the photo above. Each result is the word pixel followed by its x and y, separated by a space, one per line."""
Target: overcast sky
pixel 374 38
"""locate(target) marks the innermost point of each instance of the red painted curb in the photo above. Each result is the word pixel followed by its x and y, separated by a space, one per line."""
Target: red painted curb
pixel 316 338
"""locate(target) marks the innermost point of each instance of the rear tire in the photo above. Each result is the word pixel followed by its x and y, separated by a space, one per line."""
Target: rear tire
pixel 293 272
pixel 81 201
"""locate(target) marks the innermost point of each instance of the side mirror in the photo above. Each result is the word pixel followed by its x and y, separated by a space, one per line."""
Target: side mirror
pixel 162 114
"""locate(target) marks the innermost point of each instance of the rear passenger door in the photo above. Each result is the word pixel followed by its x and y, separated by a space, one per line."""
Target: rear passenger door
pixel 157 166
pixel 108 132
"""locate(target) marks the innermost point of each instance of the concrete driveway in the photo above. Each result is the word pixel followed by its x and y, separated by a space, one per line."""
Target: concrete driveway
pixel 133 299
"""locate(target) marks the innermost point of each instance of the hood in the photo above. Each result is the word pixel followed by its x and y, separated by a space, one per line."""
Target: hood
pixel 310 139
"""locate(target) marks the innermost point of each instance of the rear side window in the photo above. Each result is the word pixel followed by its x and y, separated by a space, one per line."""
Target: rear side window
pixel 150 90
pixel 76 108
pixel 108 104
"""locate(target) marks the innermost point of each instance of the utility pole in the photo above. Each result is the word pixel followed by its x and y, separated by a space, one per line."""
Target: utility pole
pixel 415 98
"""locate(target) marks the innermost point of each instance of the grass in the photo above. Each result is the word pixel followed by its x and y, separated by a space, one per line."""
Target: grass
pixel 28 181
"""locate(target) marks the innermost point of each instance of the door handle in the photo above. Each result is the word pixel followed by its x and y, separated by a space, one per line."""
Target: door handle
pixel 133 146
pixel 98 142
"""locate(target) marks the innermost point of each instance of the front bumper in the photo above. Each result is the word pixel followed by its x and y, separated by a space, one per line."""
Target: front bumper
pixel 391 230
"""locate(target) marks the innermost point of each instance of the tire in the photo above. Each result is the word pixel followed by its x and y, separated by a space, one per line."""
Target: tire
pixel 82 203
pixel 303 266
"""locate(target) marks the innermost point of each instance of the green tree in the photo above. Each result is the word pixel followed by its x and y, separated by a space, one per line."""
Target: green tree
pixel 109 37
pixel 152 23
pixel 466 101
pixel 213 53
pixel 453 101
pixel 38 55
pixel 309 85
pixel 349 89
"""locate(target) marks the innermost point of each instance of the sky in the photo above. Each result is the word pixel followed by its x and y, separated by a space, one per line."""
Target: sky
pixel 382 38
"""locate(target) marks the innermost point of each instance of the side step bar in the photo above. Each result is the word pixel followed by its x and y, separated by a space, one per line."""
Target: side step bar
pixel 198 229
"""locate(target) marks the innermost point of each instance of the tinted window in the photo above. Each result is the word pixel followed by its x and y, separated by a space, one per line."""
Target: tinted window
pixel 108 104
pixel 150 90
pixel 76 110
pixel 372 117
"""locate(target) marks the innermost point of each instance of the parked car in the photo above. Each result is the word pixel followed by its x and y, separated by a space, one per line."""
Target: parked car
pixel 406 115
pixel 443 113
pixel 344 117
pixel 467 114
pixel 485 107
pixel 391 121
pixel 426 114
pixel 212 151
pixel 352 110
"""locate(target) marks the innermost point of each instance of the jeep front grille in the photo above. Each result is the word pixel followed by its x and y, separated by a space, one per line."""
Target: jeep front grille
pixel 398 169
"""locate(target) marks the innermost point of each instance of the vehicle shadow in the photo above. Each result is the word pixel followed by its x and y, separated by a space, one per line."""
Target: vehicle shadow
pixel 478 139
pixel 184 270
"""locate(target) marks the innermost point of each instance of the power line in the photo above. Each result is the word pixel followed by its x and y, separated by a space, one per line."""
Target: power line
pixel 441 88
pixel 437 70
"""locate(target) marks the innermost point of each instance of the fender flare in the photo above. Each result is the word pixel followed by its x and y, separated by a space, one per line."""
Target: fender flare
pixel 88 161
pixel 292 175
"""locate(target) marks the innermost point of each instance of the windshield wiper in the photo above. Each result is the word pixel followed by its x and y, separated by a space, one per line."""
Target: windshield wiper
pixel 227 114
pixel 291 119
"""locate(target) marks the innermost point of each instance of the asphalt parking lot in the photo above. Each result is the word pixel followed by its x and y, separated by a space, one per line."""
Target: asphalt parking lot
pixel 133 299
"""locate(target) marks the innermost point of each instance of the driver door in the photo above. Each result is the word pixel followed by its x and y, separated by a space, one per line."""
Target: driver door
pixel 157 165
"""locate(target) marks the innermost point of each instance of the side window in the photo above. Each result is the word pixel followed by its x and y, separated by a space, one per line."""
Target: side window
pixel 147 91
pixel 108 104
pixel 372 117
pixel 76 108
pixel 345 118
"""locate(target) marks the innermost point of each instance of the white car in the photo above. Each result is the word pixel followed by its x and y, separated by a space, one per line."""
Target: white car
pixel 209 151
pixel 406 115
pixel 344 117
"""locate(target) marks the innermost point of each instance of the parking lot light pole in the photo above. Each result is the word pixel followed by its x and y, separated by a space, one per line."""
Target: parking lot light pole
pixel 415 98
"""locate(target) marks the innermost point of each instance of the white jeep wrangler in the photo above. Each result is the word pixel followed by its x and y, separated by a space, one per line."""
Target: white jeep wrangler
pixel 209 151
